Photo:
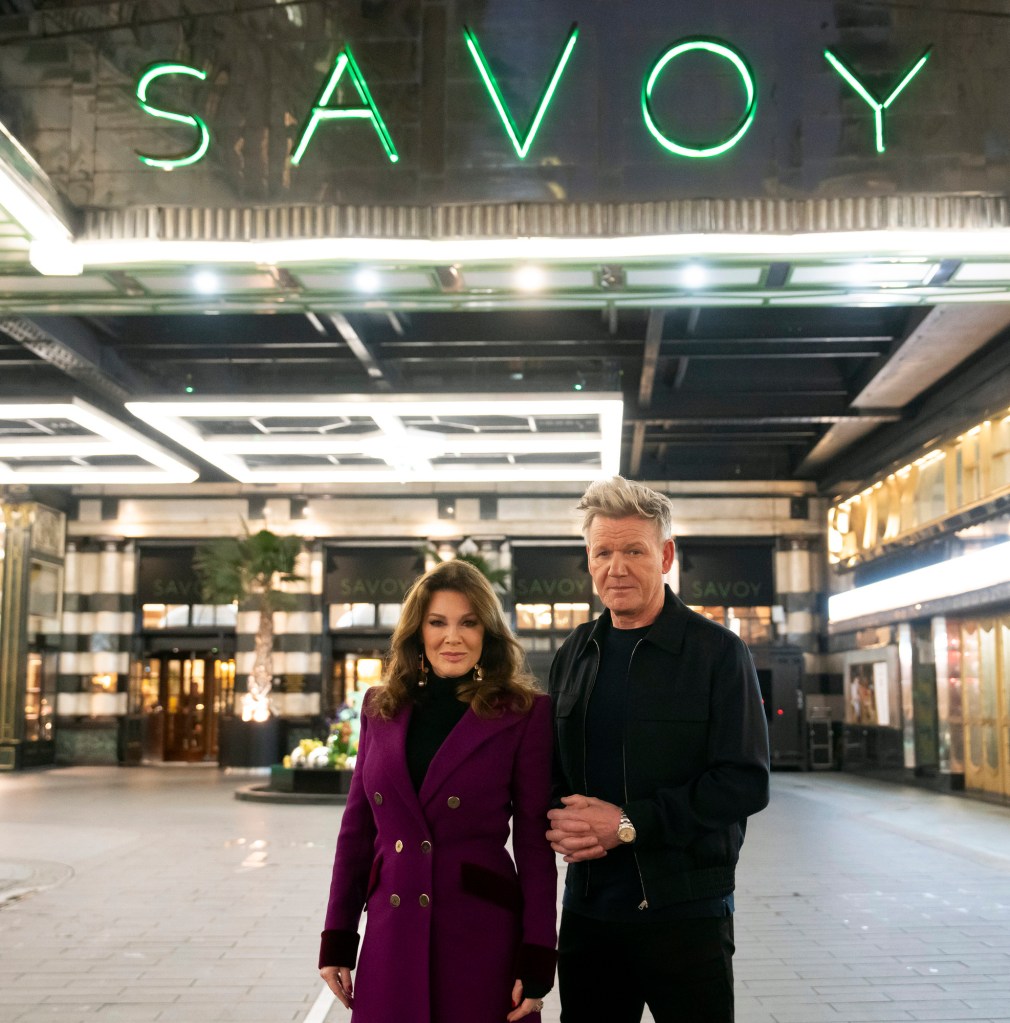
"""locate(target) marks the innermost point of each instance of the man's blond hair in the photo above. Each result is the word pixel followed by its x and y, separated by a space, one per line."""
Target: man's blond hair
pixel 618 498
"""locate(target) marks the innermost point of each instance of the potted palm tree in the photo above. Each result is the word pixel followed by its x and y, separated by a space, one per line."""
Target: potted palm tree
pixel 250 570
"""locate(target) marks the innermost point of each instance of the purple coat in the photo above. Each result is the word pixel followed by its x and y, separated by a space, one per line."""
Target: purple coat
pixel 451 920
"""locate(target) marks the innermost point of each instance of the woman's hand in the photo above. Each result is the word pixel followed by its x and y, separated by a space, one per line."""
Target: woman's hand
pixel 338 980
pixel 523 1006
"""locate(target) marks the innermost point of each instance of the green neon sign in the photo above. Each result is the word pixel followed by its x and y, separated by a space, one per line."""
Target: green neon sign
pixel 875 104
pixel 719 49
pixel 521 145
pixel 154 72
pixel 367 112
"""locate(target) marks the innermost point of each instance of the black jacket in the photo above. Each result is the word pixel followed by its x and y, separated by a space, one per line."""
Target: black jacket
pixel 695 748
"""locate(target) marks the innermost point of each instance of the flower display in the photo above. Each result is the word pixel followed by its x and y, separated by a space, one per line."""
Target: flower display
pixel 337 753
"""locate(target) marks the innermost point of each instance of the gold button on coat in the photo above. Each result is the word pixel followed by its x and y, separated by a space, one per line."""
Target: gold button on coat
pixel 399 846
pixel 424 900
pixel 394 900
pixel 378 798
pixel 453 802
pixel 426 846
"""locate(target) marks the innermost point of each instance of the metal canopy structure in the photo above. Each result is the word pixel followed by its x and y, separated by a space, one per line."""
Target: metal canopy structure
pixel 730 367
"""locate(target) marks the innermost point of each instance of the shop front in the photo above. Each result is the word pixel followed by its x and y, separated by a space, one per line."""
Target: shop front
pixel 31 592
pixel 182 680
pixel 927 644
pixel 732 582
pixel 553 593
pixel 363 592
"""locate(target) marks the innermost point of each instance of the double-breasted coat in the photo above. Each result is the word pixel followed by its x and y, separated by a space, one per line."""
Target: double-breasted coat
pixel 451 919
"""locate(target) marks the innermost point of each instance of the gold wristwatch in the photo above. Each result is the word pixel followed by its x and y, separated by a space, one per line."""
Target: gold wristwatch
pixel 626 830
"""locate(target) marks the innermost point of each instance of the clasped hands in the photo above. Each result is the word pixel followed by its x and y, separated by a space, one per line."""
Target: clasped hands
pixel 584 828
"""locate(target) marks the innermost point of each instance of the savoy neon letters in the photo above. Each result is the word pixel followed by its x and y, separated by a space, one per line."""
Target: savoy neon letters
pixel 366 112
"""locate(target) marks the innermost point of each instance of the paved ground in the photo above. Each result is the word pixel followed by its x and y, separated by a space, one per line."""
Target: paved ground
pixel 145 894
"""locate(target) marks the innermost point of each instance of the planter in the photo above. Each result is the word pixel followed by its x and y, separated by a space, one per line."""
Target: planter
pixel 249 743
pixel 307 779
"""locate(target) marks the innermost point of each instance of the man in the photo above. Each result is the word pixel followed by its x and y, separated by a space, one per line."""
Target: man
pixel 661 755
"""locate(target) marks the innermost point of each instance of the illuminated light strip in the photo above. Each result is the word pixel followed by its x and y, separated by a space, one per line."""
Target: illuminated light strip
pixel 190 120
pixel 22 202
pixel 321 112
pixel 170 418
pixel 522 147
pixel 425 251
pixel 966 574
pixel 720 49
pixel 876 105
pixel 114 439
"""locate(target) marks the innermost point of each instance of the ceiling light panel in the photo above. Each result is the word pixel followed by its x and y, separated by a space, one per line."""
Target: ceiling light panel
pixel 972 272
pixel 69 442
pixel 384 281
pixel 714 277
pixel 550 279
pixel 404 438
pixel 861 275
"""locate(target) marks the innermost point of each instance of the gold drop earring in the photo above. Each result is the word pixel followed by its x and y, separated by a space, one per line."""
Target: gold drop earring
pixel 478 674
pixel 422 672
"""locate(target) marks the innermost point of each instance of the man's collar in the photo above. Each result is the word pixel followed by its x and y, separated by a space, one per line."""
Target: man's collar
pixel 667 631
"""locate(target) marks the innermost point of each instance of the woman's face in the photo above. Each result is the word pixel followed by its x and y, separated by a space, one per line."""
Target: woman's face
pixel 452 634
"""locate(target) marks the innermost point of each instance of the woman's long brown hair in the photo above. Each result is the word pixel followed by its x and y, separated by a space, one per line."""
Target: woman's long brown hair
pixel 505 684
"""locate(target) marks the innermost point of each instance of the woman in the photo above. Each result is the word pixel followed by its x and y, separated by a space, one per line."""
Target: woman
pixel 453 745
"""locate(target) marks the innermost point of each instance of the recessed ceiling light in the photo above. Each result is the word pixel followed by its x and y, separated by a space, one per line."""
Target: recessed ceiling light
pixel 367 280
pixel 530 278
pixel 207 282
pixel 694 276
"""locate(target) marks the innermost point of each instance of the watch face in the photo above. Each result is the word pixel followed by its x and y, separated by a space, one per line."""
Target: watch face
pixel 626 833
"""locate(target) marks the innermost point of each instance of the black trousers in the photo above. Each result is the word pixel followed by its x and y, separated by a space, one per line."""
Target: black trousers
pixel 682 969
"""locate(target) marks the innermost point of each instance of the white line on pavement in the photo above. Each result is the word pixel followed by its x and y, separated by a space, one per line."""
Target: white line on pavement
pixel 321 1008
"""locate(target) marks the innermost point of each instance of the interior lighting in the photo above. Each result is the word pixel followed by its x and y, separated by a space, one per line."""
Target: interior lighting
pixel 966 574
pixel 106 437
pixel 441 251
pixel 55 258
pixel 405 450
pixel 694 277
pixel 877 106
pixel 530 278
pixel 520 145
pixel 153 73
pixel 207 282
pixel 367 280
pixel 22 202
pixel 719 49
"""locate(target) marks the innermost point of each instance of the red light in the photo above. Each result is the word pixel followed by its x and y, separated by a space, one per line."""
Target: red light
pixel 780 712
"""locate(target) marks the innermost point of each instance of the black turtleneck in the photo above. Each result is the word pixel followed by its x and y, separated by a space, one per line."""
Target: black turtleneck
pixel 436 712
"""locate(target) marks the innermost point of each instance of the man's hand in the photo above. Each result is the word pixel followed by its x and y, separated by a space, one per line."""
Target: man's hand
pixel 584 829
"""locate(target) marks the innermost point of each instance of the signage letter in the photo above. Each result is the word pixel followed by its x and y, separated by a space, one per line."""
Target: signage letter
pixel 876 105
pixel 183 159
pixel 521 145
pixel 720 49
pixel 368 112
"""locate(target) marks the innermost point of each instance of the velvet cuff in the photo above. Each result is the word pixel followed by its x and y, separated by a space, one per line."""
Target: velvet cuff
pixel 535 966
pixel 338 948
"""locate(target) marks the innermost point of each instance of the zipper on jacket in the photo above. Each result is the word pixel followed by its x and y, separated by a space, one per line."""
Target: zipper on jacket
pixel 644 904
pixel 585 769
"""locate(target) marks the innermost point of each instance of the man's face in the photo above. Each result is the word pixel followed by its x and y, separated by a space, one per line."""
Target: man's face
pixel 627 561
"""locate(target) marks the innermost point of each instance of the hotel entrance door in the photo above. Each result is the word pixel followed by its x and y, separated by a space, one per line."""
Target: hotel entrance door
pixel 183 695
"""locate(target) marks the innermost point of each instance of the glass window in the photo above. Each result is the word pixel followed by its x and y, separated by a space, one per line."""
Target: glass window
pixel 533 616
pixel 349 616
pixel 203 614
pixel 389 615
pixel 181 616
